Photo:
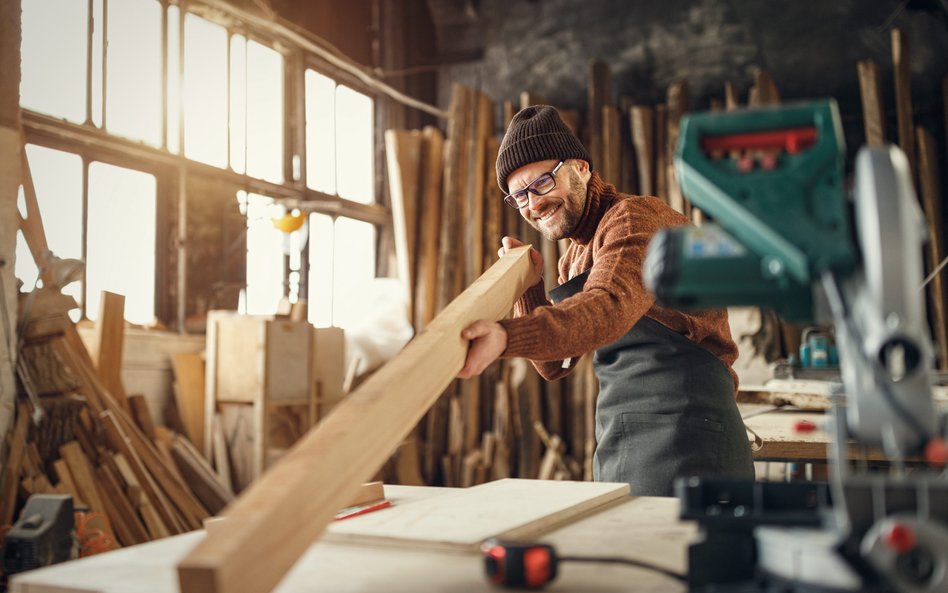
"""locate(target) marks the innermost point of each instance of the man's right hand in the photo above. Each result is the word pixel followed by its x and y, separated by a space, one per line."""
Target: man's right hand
pixel 536 273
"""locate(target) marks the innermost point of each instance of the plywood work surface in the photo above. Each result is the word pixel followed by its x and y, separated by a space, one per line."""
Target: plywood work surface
pixel 641 528
pixel 462 519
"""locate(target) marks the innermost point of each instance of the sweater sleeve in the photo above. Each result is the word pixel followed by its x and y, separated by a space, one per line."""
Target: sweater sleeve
pixel 611 302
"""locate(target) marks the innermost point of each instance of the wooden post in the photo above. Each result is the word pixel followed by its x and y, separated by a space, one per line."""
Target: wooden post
pixel 873 112
pixel 930 186
pixel 643 138
pixel 903 98
pixel 280 515
pixel 110 338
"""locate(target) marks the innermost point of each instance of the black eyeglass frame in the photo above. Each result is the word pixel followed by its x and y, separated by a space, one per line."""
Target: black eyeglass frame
pixel 511 201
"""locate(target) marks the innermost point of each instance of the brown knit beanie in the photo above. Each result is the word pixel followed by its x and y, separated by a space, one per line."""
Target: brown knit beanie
pixel 536 134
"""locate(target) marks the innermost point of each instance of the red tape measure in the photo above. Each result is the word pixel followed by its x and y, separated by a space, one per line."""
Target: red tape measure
pixel 514 564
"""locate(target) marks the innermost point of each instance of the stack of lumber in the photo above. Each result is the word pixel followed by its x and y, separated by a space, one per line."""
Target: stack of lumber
pixel 449 218
pixel 89 442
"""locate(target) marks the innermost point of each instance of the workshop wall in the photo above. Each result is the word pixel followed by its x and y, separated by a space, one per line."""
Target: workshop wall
pixel 809 48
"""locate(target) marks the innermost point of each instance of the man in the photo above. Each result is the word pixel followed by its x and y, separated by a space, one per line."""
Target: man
pixel 666 402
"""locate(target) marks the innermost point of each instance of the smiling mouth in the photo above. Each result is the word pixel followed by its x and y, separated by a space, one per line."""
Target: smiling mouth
pixel 549 214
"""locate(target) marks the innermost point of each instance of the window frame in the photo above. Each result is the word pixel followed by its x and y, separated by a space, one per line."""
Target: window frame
pixel 172 169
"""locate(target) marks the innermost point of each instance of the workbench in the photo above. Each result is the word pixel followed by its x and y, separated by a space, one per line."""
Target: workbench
pixel 641 528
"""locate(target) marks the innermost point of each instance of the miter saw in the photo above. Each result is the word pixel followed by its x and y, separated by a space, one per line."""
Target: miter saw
pixel 786 236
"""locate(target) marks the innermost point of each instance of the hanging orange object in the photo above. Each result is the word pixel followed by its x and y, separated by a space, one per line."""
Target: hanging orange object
pixel 289 222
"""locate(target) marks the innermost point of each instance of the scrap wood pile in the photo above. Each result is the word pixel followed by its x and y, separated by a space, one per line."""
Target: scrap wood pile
pixel 73 435
pixel 449 219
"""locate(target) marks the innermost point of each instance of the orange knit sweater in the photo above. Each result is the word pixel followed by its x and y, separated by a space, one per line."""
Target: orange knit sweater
pixel 610 241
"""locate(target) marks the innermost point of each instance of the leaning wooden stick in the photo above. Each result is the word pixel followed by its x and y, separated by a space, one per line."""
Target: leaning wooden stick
pixel 271 524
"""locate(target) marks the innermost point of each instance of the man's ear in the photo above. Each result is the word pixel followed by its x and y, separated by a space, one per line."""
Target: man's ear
pixel 582 167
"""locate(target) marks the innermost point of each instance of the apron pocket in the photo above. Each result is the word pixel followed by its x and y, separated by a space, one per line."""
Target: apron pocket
pixel 651 450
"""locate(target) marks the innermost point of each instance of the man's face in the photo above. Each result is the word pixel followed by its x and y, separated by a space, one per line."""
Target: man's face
pixel 557 213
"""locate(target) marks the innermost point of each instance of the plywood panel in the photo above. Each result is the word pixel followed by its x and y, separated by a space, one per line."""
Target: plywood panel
pixel 239 358
pixel 461 520
pixel 288 360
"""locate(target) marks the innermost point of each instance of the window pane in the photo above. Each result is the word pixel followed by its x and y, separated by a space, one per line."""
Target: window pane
pixel 133 84
pixel 205 91
pixel 320 270
pixel 57 177
pixel 238 103
pixel 264 257
pixel 98 30
pixel 264 113
pixel 121 240
pixel 355 145
pixel 320 132
pixel 54 73
pixel 354 269
pixel 174 79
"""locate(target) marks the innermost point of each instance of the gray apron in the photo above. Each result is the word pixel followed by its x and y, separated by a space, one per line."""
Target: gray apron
pixel 665 409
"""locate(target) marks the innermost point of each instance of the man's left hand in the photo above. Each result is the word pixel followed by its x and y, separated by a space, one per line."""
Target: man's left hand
pixel 488 340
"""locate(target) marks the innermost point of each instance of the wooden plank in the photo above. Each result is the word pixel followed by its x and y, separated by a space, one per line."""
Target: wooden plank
pixel 599 91
pixel 67 484
pixel 128 526
pixel 679 102
pixel 731 102
pixel 32 225
pixel 82 475
pixel 643 133
pixel 611 145
pixel 461 520
pixel 403 157
pixel 661 151
pixel 450 236
pixel 765 91
pixel 326 468
pixel 432 171
pixel 221 462
pixel 189 395
pixel 169 518
pixel 930 189
pixel 873 111
pixel 903 97
pixel 12 465
pixel 494 207
pixel 141 415
pixel 153 522
pixel 200 477
pixel 110 336
pixel 329 366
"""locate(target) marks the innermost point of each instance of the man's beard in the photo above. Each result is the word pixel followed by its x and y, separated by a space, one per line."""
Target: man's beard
pixel 571 209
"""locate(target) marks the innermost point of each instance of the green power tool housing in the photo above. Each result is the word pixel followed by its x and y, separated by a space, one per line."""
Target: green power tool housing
pixel 772 181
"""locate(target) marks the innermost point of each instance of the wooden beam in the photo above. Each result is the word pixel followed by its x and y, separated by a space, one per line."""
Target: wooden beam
pixel 426 287
pixel 403 157
pixel 873 111
pixel 289 507
pixel 643 139
pixel 930 190
pixel 189 375
pixel 903 98
pixel 109 338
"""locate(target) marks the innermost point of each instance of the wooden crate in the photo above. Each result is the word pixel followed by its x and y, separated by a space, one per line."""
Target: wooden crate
pixel 267 382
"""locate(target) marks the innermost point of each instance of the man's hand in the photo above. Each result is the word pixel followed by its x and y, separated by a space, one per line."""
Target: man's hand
pixel 536 260
pixel 488 340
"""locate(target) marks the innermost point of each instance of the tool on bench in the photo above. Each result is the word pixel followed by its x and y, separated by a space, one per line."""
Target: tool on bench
pixel 787 237
pixel 43 535
pixel 532 565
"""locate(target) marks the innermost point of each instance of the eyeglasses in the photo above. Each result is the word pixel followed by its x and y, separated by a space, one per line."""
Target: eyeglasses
pixel 540 186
